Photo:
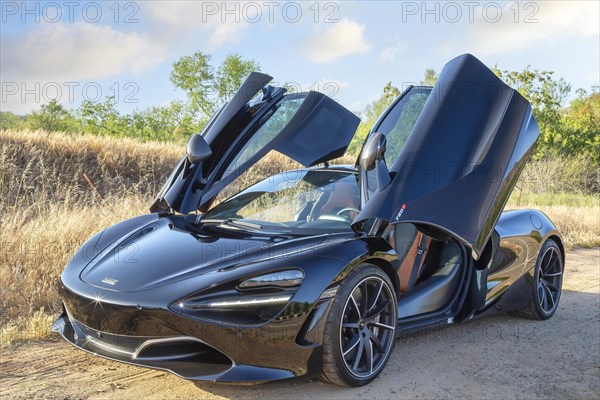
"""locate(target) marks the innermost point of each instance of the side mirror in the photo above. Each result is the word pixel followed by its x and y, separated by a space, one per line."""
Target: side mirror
pixel 371 157
pixel 373 151
pixel 197 149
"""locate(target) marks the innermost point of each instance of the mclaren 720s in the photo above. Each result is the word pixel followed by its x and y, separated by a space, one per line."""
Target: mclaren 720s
pixel 316 271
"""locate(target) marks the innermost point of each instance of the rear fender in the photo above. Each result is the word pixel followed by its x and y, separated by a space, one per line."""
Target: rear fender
pixel 521 235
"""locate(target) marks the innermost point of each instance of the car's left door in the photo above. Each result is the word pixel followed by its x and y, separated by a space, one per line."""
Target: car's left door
pixel 310 128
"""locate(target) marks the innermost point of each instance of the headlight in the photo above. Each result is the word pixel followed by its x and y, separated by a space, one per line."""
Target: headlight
pixel 284 279
pixel 238 303
pixel 247 301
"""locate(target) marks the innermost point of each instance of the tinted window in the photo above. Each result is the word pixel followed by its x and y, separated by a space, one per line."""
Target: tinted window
pixel 267 131
pixel 398 124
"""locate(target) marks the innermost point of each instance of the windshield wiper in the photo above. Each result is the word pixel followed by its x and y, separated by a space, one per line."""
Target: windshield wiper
pixel 232 223
pixel 229 223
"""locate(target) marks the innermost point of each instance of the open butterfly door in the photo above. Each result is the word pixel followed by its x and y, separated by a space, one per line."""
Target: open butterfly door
pixel 310 128
pixel 458 166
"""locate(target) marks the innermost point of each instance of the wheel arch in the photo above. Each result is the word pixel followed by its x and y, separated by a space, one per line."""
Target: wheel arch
pixel 388 268
pixel 510 281
pixel 372 250
pixel 559 242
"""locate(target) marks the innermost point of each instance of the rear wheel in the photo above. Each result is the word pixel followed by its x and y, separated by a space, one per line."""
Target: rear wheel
pixel 547 286
pixel 360 328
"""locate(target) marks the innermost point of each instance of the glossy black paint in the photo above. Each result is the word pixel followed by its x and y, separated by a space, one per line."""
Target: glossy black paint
pixel 462 159
pixel 522 234
pixel 123 288
pixel 154 278
pixel 144 309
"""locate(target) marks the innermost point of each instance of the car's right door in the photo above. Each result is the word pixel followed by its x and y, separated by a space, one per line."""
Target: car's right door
pixel 454 165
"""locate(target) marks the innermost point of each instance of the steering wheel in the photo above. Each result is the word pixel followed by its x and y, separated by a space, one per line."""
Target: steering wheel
pixel 347 209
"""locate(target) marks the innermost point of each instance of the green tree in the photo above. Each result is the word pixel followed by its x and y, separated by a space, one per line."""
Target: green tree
pixel 103 118
pixel 194 75
pixel 51 117
pixel 430 77
pixel 538 87
pixel 231 74
pixel 164 123
pixel 547 96
pixel 208 87
pixel 580 133
pixel 185 123
pixel 9 120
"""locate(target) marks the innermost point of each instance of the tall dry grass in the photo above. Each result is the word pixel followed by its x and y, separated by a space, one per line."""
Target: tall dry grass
pixel 47 210
pixel 568 191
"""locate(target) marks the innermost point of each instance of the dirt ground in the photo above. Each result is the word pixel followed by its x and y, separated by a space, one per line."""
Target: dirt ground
pixel 496 356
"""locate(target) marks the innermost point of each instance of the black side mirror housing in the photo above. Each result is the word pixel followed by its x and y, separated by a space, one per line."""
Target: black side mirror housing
pixel 197 149
pixel 372 157
pixel 373 150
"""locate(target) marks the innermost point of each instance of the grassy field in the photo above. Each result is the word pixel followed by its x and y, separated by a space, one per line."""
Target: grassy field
pixel 48 209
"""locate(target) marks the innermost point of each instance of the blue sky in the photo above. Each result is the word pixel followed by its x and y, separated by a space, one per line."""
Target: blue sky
pixel 76 50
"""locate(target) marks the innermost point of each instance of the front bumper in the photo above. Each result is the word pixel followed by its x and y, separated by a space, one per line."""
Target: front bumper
pixel 185 356
pixel 155 337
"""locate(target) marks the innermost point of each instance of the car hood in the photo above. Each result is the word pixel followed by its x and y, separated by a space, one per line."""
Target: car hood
pixel 171 249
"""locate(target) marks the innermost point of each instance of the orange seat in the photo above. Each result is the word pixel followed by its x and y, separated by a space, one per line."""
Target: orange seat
pixel 411 247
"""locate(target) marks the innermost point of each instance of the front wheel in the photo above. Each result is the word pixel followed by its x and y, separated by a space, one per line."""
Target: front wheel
pixel 360 328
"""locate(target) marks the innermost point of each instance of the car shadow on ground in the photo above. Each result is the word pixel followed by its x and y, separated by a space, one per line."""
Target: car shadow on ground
pixel 496 355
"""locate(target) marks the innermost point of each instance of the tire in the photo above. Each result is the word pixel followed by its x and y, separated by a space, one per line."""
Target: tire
pixel 546 285
pixel 356 324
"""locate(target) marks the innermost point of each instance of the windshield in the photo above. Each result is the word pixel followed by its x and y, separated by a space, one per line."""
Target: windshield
pixel 300 202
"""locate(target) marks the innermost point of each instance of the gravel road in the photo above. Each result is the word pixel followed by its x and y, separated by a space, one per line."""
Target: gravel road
pixel 497 356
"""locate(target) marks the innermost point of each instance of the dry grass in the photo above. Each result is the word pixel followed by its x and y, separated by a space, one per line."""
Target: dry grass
pixel 38 168
pixel 577 216
pixel 47 210
pixel 579 226
pixel 33 326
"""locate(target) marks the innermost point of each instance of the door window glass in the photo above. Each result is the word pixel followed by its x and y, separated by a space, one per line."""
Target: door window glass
pixel 268 131
pixel 399 123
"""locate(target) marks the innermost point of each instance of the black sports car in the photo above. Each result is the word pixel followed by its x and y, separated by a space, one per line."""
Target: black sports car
pixel 317 270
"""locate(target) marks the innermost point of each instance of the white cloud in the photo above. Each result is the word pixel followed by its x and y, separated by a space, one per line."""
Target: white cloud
pixel 226 33
pixel 359 105
pixel 74 52
pixel 343 39
pixel 552 20
pixel 65 55
pixel 180 19
pixel 390 53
